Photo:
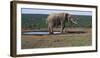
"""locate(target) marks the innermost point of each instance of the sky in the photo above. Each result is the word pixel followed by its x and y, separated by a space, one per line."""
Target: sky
pixel 48 11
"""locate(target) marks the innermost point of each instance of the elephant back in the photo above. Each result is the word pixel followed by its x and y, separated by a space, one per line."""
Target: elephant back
pixel 56 18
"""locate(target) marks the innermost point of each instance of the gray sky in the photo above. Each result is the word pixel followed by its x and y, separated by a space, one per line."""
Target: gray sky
pixel 48 11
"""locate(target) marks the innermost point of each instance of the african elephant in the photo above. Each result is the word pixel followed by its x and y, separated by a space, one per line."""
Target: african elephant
pixel 56 19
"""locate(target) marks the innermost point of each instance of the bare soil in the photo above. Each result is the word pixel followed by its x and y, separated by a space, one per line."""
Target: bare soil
pixel 72 37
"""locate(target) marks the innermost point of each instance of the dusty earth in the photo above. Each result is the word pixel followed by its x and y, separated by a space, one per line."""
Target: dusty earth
pixel 73 37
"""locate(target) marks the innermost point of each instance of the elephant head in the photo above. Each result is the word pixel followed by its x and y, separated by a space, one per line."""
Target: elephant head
pixel 71 19
pixel 56 19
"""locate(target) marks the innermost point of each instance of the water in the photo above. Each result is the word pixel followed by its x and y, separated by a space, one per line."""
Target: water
pixel 30 33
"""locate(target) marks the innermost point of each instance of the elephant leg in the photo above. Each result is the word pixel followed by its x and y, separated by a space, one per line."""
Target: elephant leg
pixel 50 28
pixel 62 27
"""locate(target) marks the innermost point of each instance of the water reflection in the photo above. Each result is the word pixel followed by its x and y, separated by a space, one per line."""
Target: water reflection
pixel 30 33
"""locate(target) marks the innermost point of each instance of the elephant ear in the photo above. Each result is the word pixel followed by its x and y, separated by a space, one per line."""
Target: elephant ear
pixel 69 17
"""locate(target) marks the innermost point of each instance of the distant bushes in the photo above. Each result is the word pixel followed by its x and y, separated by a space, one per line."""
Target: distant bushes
pixel 38 21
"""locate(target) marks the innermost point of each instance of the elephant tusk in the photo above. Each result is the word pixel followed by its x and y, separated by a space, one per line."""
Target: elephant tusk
pixel 73 21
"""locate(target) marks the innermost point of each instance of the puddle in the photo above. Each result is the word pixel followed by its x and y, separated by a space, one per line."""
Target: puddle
pixel 30 33
pixel 45 32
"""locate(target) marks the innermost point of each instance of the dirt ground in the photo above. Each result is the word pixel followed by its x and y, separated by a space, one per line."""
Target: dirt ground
pixel 73 37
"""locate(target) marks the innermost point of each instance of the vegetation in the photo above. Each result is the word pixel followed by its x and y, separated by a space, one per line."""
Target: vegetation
pixel 37 21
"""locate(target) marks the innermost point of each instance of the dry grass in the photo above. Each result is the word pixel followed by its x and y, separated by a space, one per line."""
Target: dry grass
pixel 61 40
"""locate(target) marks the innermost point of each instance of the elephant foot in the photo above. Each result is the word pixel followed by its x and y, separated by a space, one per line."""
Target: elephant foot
pixel 61 32
pixel 51 33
